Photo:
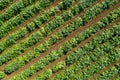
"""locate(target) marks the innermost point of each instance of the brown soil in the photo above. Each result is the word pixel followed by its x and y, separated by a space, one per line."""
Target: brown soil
pixel 57 45
pixel 64 56
pixel 114 77
pixel 94 77
pixel 43 25
pixel 30 20
pixel 32 47
pixel 2 11
pixel 46 38
pixel 62 42
pixel 95 62
pixel 86 41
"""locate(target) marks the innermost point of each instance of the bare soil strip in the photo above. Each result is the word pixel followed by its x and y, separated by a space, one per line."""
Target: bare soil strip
pixel 95 62
pixel 30 19
pixel 114 77
pixel 62 58
pixel 94 77
pixel 57 45
pixel 2 11
pixel 86 41
pixel 32 47
pixel 43 25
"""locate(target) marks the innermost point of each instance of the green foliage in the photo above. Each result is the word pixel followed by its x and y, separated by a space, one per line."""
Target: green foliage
pixel 2 75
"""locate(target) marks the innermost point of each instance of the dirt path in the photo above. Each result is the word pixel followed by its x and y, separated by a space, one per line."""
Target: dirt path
pixel 44 39
pixel 30 19
pixel 2 11
pixel 57 45
pixel 86 41
pixel 94 77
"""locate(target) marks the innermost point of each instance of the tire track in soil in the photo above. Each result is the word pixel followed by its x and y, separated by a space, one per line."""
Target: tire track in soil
pixel 30 19
pixel 94 77
pixel 84 42
pixel 2 11
pixel 96 61
pixel 41 41
pixel 61 42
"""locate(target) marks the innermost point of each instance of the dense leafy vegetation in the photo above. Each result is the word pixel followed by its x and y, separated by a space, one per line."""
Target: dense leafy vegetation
pixel 51 57
pixel 25 15
pixel 2 75
pixel 4 3
pixel 59 39
pixel 76 55
pixel 13 10
pixel 94 55
pixel 114 70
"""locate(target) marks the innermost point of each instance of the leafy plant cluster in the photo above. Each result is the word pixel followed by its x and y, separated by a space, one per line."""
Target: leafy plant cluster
pixel 43 47
pixel 4 3
pixel 15 9
pixel 73 57
pixel 41 19
pixel 93 50
pixel 57 21
pixel 114 70
pixel 24 15
pixel 50 58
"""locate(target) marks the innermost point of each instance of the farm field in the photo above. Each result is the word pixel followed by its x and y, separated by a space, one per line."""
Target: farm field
pixel 59 39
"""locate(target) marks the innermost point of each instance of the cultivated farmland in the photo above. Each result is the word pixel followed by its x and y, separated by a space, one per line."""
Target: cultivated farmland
pixel 59 39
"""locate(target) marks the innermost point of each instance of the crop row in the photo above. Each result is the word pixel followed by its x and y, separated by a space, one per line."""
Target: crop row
pixel 31 40
pixel 14 9
pixel 25 15
pixel 11 39
pixel 105 21
pixel 96 53
pixel 82 51
pixel 104 61
pixel 4 3
pixel 117 77
pixel 57 22
pixel 44 61
pixel 79 64
pixel 50 58
pixel 114 70
pixel 2 75
pixel 43 47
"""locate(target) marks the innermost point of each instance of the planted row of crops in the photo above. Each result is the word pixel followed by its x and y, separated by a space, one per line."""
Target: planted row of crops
pixel 34 54
pixel 60 30
pixel 4 3
pixel 25 15
pixel 14 9
pixel 57 21
pixel 32 39
pixel 48 43
pixel 51 57
pixel 73 57
pixel 60 65
pixel 114 70
pixel 11 39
